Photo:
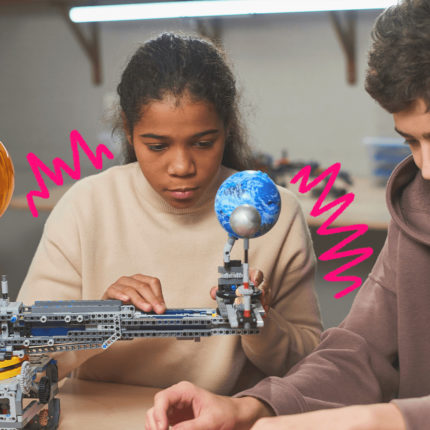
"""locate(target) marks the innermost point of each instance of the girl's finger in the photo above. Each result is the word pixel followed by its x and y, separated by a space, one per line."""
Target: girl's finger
pixel 256 276
pixel 137 300
pixel 115 293
pixel 154 284
pixel 147 294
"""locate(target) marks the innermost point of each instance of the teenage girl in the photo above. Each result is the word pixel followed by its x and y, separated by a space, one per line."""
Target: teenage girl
pixel 146 232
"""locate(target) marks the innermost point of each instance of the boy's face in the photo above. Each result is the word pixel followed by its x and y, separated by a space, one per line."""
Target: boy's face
pixel 414 125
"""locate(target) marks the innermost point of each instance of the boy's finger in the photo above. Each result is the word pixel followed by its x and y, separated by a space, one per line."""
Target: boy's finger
pixel 150 421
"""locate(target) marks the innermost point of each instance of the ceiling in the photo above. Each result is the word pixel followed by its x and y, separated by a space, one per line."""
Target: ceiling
pixel 32 3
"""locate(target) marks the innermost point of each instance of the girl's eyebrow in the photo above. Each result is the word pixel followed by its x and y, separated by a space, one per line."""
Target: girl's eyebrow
pixel 161 137
pixel 204 133
pixel 154 136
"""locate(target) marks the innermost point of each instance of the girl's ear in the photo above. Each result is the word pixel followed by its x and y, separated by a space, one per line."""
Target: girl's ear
pixel 227 131
pixel 126 128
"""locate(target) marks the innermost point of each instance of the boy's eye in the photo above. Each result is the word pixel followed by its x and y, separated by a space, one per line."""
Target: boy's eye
pixel 411 141
pixel 204 144
pixel 156 146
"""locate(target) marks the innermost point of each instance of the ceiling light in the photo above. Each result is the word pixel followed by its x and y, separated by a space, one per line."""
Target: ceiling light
pixel 189 9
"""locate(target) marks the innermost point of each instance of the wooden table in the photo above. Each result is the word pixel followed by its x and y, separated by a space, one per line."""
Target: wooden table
pixel 103 406
pixel 20 201
pixel 367 208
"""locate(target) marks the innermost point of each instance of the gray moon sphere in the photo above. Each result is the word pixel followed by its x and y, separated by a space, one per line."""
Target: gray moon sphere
pixel 252 188
pixel 245 221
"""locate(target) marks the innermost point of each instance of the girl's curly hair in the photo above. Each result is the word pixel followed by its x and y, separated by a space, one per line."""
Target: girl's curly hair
pixel 175 64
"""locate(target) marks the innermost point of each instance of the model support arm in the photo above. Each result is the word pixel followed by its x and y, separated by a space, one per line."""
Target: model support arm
pixel 227 249
pixel 246 290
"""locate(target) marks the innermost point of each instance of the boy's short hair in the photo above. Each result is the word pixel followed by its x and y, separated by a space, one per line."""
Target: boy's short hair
pixel 399 59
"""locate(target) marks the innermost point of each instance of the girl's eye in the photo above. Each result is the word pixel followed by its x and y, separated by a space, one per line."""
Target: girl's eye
pixel 204 144
pixel 156 146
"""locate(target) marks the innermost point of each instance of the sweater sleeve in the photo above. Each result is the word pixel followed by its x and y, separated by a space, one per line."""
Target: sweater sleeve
pixel 292 326
pixel 355 363
pixel 55 271
pixel 415 411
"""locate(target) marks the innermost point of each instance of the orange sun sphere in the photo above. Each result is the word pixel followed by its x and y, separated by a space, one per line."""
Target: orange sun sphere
pixel 7 181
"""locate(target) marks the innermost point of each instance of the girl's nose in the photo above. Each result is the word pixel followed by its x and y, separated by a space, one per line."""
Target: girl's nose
pixel 181 163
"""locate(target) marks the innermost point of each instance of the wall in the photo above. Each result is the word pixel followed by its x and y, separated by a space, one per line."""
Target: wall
pixel 290 70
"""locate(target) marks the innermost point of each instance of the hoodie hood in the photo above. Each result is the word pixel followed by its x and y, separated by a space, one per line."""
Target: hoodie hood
pixel 408 200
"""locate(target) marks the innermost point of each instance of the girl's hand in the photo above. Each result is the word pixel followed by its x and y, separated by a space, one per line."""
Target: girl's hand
pixel 257 277
pixel 142 291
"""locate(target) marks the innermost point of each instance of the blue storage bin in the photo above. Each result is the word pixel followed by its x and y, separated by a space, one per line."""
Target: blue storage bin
pixel 385 153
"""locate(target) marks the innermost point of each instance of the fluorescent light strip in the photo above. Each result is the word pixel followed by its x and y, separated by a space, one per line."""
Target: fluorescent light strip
pixel 189 9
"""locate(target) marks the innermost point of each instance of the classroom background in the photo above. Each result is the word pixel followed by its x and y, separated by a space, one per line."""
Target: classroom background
pixel 295 97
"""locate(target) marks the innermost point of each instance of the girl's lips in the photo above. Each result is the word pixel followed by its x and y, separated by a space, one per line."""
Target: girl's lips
pixel 182 194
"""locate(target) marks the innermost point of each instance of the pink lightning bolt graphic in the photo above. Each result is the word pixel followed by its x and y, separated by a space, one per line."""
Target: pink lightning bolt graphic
pixel 357 230
pixel 38 166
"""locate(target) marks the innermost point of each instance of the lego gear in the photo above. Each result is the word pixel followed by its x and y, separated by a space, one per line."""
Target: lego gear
pixel 44 389
pixel 25 377
pixel 52 372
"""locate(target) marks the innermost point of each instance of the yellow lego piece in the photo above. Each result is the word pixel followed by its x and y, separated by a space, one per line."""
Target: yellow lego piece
pixel 10 368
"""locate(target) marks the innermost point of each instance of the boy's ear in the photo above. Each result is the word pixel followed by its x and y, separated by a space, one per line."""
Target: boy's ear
pixel 126 128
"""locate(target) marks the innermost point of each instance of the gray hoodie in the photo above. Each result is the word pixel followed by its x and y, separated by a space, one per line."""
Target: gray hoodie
pixel 381 351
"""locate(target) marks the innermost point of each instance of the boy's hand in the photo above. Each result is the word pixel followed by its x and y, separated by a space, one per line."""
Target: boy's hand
pixel 142 291
pixel 364 417
pixel 188 407
pixel 257 277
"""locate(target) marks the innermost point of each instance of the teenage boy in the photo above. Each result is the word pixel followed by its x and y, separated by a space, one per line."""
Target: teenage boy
pixel 378 358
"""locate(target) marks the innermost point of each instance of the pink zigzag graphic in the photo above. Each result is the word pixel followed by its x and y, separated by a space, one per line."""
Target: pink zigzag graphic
pixel 358 229
pixel 57 176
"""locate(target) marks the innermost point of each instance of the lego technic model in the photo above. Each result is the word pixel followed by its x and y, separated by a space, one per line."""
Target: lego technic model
pixel 29 333
pixel 29 377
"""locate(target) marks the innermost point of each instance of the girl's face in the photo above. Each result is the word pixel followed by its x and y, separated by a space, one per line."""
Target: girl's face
pixel 179 144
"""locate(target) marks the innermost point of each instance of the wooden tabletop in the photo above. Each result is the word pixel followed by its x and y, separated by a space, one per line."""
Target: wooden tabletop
pixel 103 406
pixel 368 206
pixel 20 201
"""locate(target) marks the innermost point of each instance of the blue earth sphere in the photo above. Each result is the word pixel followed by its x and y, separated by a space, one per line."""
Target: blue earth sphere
pixel 253 188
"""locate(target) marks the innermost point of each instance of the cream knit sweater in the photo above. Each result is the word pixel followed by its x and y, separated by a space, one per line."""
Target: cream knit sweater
pixel 114 224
